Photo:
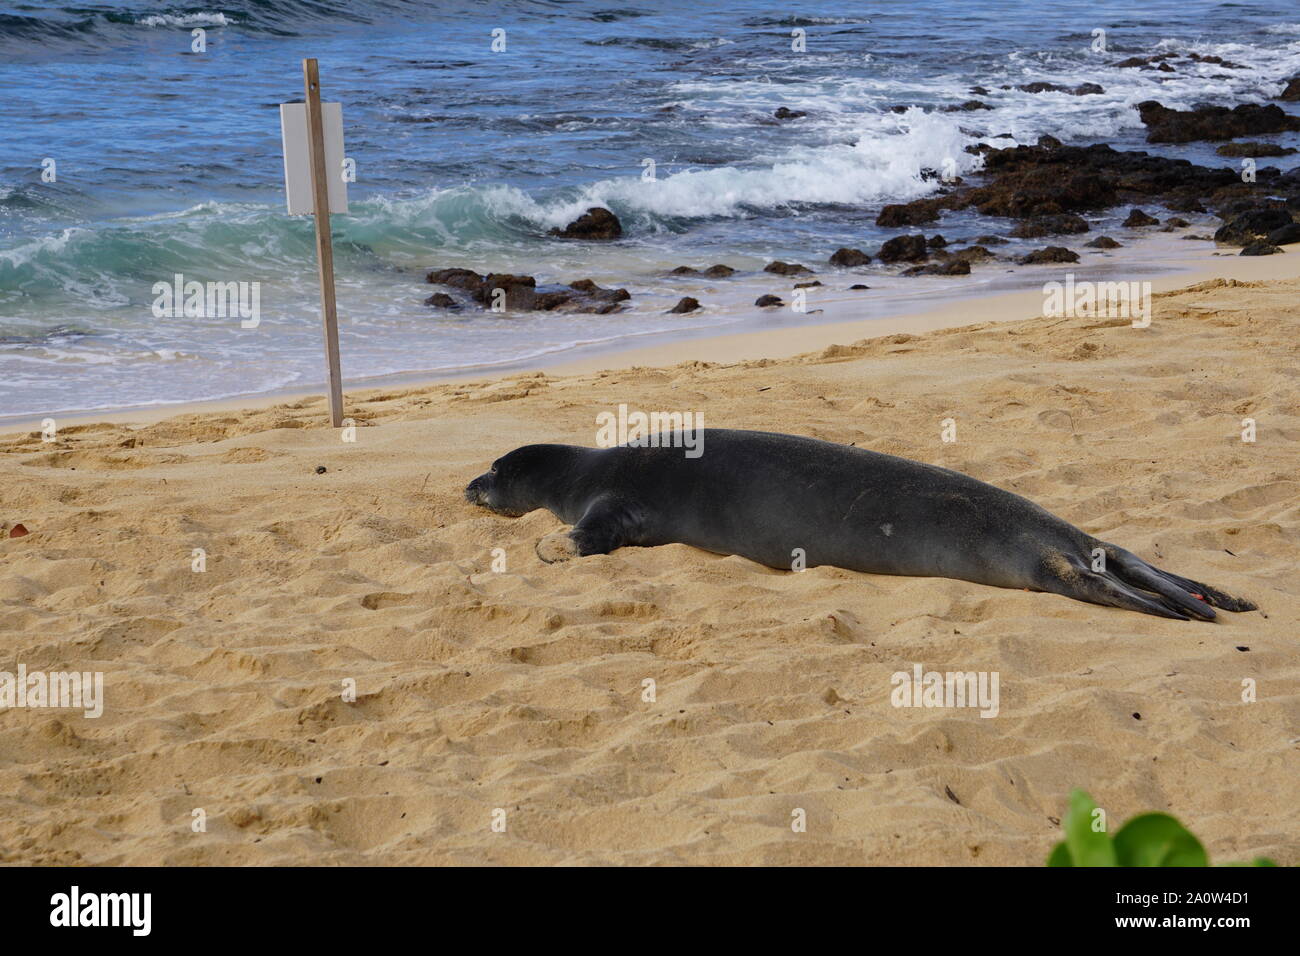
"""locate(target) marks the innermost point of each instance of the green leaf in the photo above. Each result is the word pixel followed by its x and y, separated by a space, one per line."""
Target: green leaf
pixel 1087 847
pixel 1157 839
pixel 1060 855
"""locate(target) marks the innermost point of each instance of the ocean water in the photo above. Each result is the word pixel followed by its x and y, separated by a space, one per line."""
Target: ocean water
pixel 168 161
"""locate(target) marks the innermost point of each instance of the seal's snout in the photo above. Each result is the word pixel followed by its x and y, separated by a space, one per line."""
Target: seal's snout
pixel 476 491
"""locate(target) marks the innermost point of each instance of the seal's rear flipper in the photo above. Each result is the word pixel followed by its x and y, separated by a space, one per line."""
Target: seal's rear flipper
pixel 1105 588
pixel 1186 593
pixel 1074 577
pixel 1212 595
pixel 1136 572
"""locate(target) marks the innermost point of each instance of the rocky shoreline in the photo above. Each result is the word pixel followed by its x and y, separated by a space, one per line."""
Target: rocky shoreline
pixel 1045 190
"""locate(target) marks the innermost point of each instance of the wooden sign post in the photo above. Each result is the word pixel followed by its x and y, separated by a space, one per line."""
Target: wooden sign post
pixel 312 135
pixel 324 245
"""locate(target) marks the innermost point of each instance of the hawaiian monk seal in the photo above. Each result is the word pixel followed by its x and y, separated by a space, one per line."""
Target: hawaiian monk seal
pixel 761 495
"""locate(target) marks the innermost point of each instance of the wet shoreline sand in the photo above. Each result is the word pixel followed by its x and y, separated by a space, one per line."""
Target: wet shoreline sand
pixel 959 302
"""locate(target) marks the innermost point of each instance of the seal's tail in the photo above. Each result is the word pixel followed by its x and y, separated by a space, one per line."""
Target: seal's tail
pixel 1126 581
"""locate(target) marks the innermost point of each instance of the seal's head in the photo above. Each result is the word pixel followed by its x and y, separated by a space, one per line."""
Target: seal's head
pixel 520 482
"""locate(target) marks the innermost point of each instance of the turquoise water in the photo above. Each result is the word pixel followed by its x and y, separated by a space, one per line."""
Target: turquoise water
pixel 168 160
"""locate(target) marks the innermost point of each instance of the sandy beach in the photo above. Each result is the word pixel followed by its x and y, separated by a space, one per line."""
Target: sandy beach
pixel 517 696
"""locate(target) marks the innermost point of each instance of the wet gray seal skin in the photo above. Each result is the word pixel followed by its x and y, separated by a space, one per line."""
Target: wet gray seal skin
pixel 761 495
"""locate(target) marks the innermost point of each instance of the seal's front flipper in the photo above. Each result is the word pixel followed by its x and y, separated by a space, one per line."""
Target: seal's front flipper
pixel 556 546
pixel 608 523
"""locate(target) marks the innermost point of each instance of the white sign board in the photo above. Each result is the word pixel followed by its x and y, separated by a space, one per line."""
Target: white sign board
pixel 297 157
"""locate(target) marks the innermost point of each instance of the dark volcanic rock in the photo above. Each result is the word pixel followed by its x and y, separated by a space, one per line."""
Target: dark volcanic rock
pixel 914 213
pixel 1140 61
pixel 1082 89
pixel 1065 224
pixel 1251 225
pixel 973 254
pixel 592 291
pixel 1213 123
pixel 1027 182
pixel 847 258
pixel 936 242
pixel 466 279
pixel 1136 217
pixel 1039 182
pixel 859 285
pixel 968 107
pixel 1104 242
pixel 786 268
pixel 903 249
pixel 1160 62
pixel 520 291
pixel 1041 87
pixel 596 223
pixel 559 299
pixel 991 240
pixel 1292 92
pixel 1047 141
pixel 1285 235
pixel 1254 150
pixel 783 113
pixel 1049 254
pixel 953 267
pixel 768 300
pixel 713 272
pixel 1217 60
pixel 807 285
pixel 686 304
pixel 1260 249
